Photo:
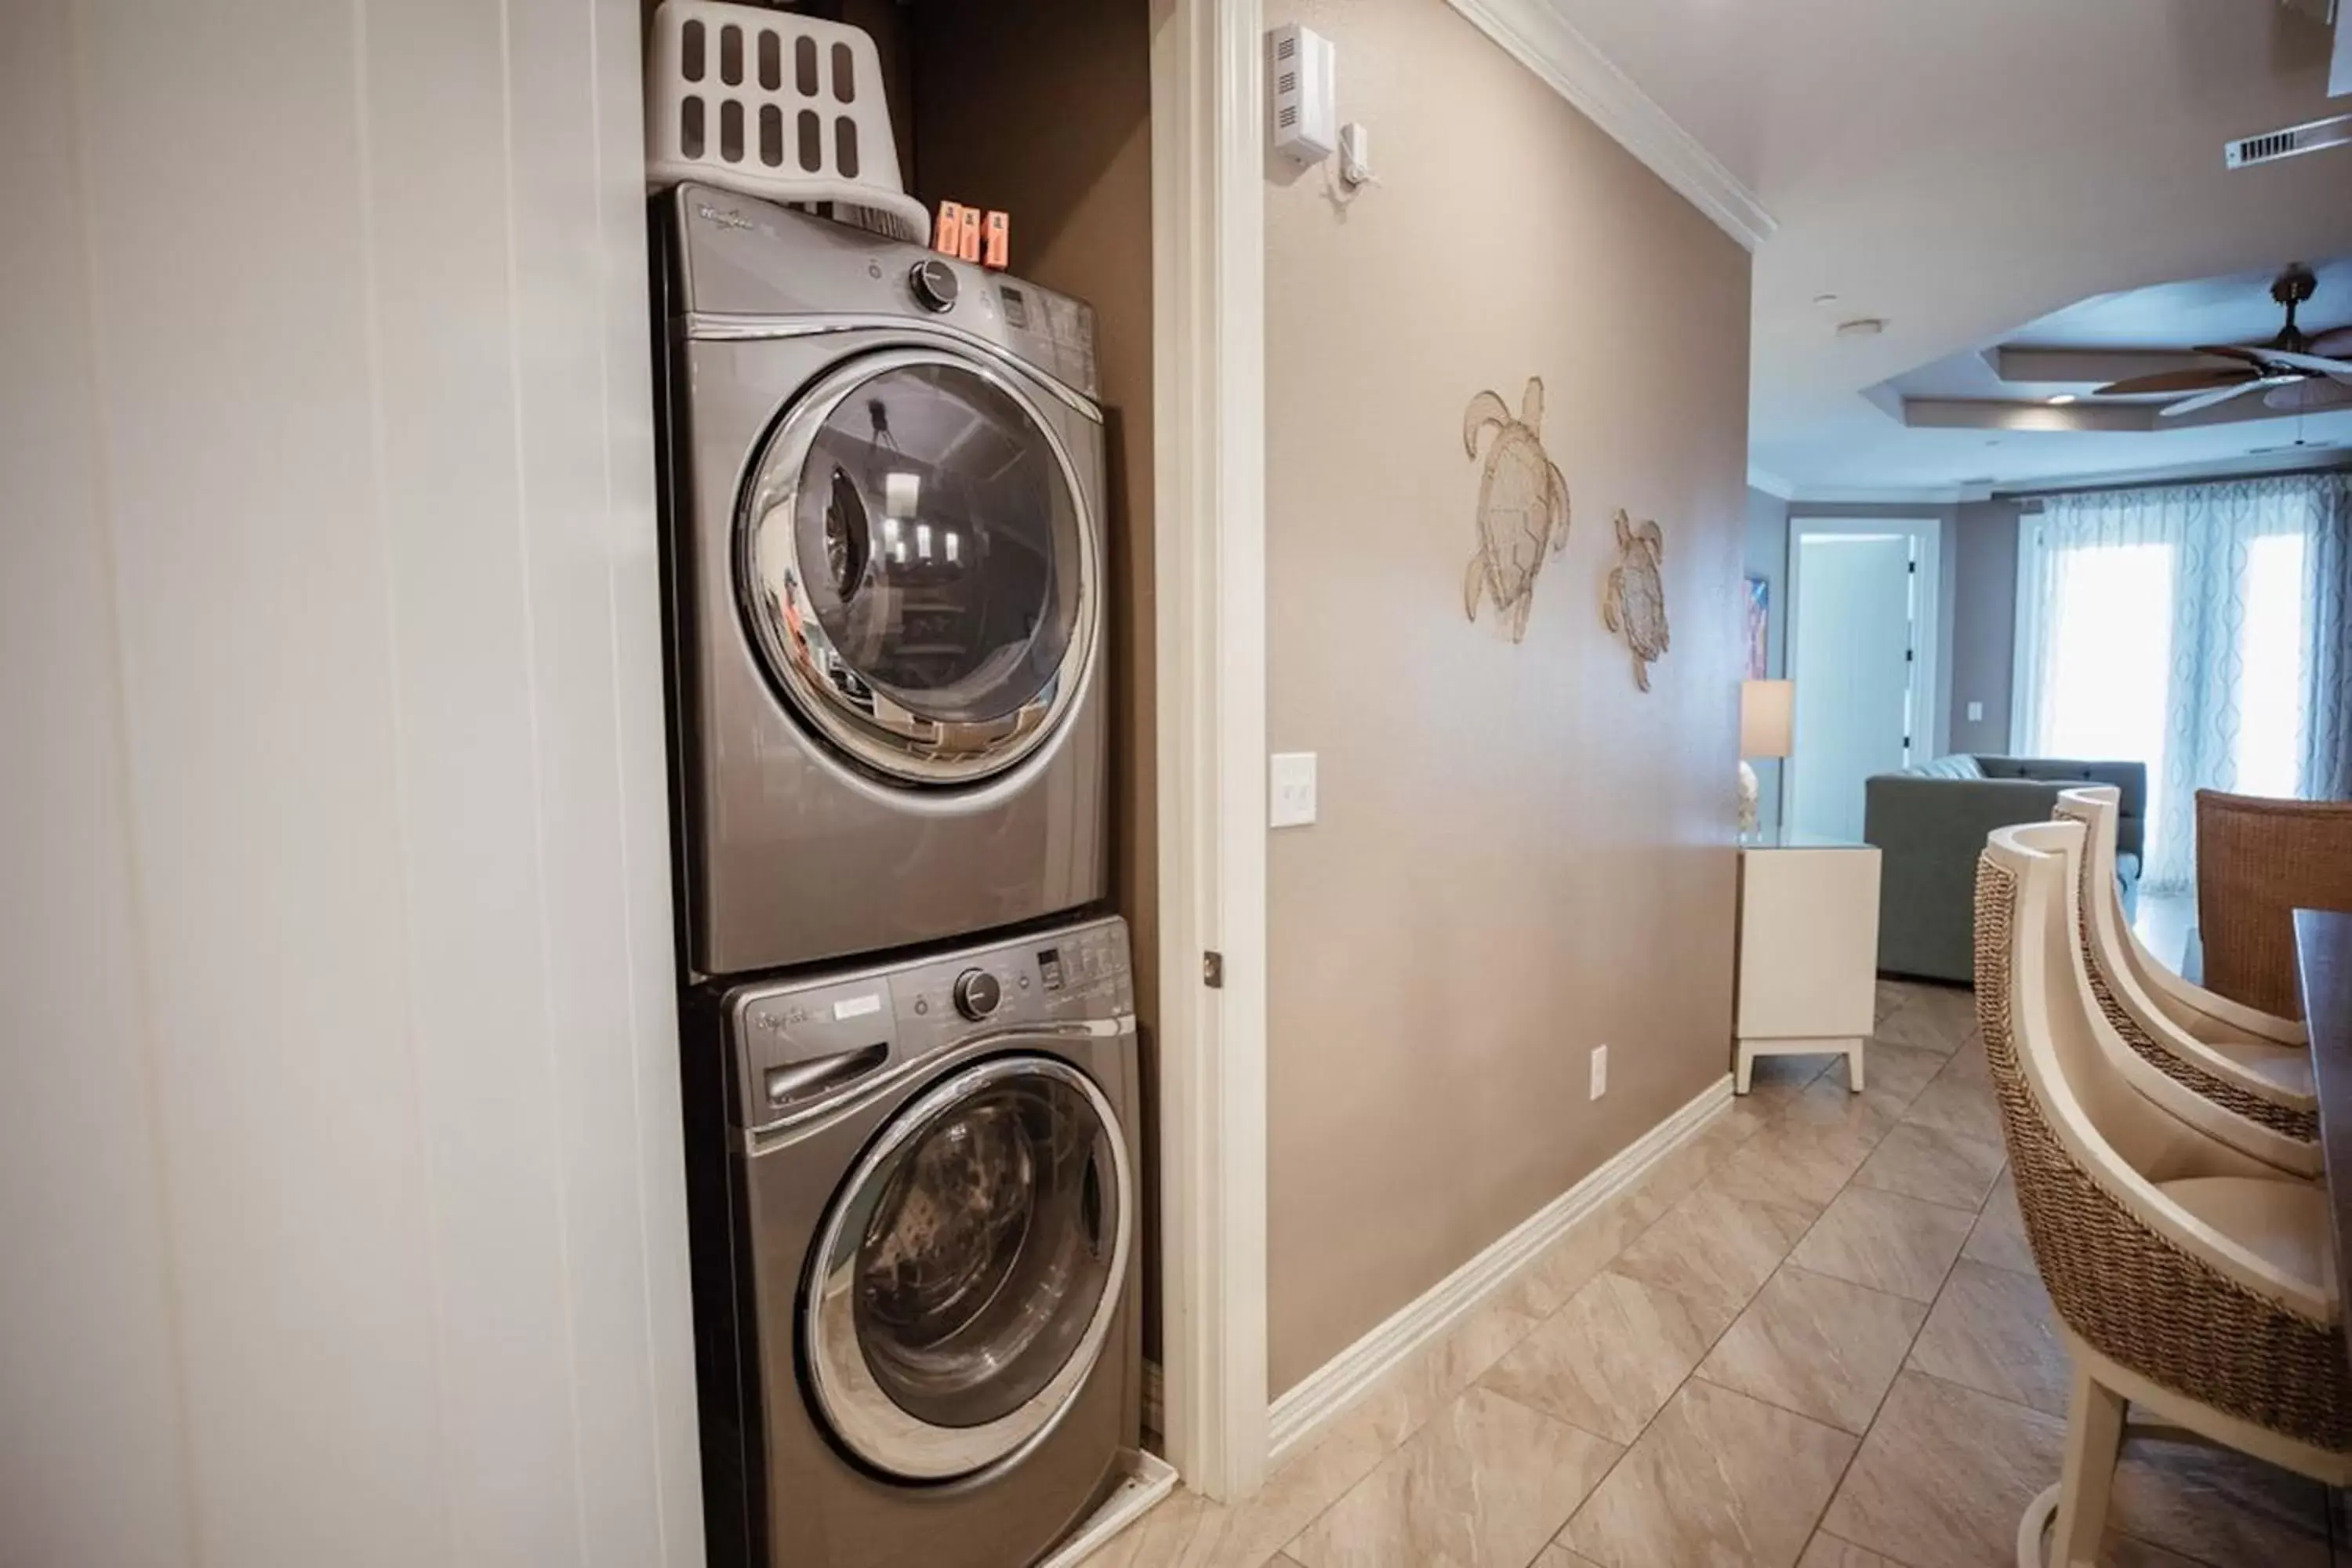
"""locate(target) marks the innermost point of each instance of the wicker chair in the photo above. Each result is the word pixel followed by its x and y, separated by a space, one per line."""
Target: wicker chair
pixel 2251 1064
pixel 2191 1281
pixel 2258 861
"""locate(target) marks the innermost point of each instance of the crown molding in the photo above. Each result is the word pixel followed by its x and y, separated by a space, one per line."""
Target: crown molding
pixel 1770 483
pixel 1888 495
pixel 1536 35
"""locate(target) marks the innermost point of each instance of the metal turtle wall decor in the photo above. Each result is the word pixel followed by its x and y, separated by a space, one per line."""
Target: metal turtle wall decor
pixel 1522 506
pixel 1636 602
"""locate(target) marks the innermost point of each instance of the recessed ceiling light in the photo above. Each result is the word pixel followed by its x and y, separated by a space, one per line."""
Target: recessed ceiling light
pixel 1862 327
pixel 2062 399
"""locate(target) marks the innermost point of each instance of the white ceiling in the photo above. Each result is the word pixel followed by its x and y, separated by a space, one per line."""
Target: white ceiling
pixel 1965 169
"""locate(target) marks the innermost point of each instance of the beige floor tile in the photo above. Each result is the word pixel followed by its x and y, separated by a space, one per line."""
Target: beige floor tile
pixel 2219 1507
pixel 1484 1485
pixel 1998 1238
pixel 1791 1162
pixel 1429 1380
pixel 1892 993
pixel 1819 1346
pixel 1933 1165
pixel 1993 1331
pixel 1829 1107
pixel 1894 1073
pixel 1718 1477
pixel 1715 1248
pixel 1183 1532
pixel 1885 1241
pixel 1961 1100
pixel 2123 1551
pixel 1568 1263
pixel 1559 1556
pixel 1935 1017
pixel 1799 1070
pixel 1826 1551
pixel 1608 1360
pixel 1287 1561
pixel 1943 1475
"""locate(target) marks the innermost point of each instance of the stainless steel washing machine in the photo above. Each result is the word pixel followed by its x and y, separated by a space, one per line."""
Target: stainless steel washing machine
pixel 916 1274
pixel 883 534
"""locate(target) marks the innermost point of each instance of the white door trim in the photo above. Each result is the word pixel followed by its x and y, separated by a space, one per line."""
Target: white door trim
pixel 1209 426
pixel 1930 724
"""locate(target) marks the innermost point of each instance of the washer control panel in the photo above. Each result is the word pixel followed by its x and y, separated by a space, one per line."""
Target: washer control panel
pixel 799 1045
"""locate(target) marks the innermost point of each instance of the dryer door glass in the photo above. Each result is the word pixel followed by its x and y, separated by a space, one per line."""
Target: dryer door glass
pixel 969 1271
pixel 921 573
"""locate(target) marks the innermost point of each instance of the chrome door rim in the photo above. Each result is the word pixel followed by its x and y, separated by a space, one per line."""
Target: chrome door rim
pixel 888 737
pixel 847 1396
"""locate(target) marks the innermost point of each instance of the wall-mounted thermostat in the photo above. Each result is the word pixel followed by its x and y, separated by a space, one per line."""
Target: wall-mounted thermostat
pixel 1304 69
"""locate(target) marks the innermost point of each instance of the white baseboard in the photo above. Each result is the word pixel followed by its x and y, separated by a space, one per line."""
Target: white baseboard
pixel 1302 1412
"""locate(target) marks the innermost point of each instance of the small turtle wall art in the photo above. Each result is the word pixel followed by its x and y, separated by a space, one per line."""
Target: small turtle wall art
pixel 1522 506
pixel 1634 605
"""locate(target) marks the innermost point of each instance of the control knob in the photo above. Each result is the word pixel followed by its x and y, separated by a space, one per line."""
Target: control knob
pixel 935 285
pixel 977 993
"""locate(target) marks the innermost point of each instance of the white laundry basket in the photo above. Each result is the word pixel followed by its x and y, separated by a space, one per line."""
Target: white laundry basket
pixel 774 105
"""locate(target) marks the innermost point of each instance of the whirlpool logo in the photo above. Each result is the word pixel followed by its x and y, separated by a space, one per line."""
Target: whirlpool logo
pixel 725 217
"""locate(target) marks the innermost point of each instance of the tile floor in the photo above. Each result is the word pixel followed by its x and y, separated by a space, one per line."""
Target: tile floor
pixel 1812 1338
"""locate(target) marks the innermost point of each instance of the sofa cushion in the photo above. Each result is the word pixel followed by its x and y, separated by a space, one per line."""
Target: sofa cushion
pixel 1958 765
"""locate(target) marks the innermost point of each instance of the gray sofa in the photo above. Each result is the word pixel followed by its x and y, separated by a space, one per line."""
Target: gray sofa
pixel 1929 823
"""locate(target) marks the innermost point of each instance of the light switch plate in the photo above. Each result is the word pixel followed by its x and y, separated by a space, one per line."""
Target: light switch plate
pixel 1976 712
pixel 1291 791
pixel 1599 1071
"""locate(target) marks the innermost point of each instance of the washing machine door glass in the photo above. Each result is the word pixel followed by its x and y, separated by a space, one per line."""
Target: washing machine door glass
pixel 967 1274
pixel 919 572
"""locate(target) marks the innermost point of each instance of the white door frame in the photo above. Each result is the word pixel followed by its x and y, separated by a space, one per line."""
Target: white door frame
pixel 1931 725
pixel 1209 491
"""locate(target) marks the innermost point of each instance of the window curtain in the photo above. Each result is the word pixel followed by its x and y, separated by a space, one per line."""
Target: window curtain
pixel 2198 628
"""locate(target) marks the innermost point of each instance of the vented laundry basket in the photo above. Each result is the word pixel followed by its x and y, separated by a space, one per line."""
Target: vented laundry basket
pixel 774 105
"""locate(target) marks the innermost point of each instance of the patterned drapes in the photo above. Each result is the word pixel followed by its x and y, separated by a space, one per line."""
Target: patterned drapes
pixel 2200 628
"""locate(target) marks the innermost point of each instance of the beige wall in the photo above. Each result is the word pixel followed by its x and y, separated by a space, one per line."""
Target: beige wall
pixel 1051 122
pixel 1520 855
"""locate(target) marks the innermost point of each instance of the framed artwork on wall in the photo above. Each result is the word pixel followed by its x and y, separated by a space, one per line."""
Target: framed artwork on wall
pixel 1759 625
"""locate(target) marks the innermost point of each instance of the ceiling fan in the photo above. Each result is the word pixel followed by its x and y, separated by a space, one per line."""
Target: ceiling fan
pixel 2295 373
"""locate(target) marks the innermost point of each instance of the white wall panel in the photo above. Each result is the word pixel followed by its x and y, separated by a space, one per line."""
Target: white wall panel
pixel 334 832
pixel 92 1468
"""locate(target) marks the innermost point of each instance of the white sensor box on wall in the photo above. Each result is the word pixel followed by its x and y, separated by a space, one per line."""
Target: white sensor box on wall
pixel 1302 66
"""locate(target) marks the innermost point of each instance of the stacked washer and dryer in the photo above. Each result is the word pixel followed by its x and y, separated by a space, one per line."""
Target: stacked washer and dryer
pixel 910 1051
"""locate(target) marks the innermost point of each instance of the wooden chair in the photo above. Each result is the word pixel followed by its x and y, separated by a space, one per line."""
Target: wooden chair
pixel 2193 1283
pixel 2258 860
pixel 2252 1064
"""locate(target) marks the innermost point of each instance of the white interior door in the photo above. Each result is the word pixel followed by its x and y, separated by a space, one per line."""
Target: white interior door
pixel 1851 659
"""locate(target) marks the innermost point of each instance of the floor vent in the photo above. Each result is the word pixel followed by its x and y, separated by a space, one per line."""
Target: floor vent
pixel 2269 147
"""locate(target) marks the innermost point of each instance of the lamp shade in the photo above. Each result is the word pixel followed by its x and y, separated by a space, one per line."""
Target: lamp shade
pixel 1768 711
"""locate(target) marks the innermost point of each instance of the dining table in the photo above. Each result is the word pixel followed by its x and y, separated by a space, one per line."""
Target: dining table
pixel 2322 949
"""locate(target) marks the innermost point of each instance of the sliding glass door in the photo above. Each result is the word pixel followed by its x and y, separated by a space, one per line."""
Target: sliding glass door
pixel 2196 629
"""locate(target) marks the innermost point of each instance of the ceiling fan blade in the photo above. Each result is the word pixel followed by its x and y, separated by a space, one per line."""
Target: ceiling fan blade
pixel 2219 394
pixel 2180 381
pixel 2230 350
pixel 2335 344
pixel 2309 396
pixel 2317 364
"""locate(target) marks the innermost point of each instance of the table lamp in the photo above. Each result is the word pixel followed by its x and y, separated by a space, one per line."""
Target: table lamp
pixel 1768 711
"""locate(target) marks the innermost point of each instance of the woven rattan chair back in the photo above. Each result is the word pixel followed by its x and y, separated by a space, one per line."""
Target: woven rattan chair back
pixel 2258 861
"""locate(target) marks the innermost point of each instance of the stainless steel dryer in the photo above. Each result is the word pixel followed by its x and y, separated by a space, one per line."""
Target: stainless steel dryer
pixel 915 1260
pixel 884 482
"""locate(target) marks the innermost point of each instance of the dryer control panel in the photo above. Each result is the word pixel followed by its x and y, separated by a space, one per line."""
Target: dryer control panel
pixel 798 1045
pixel 740 256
